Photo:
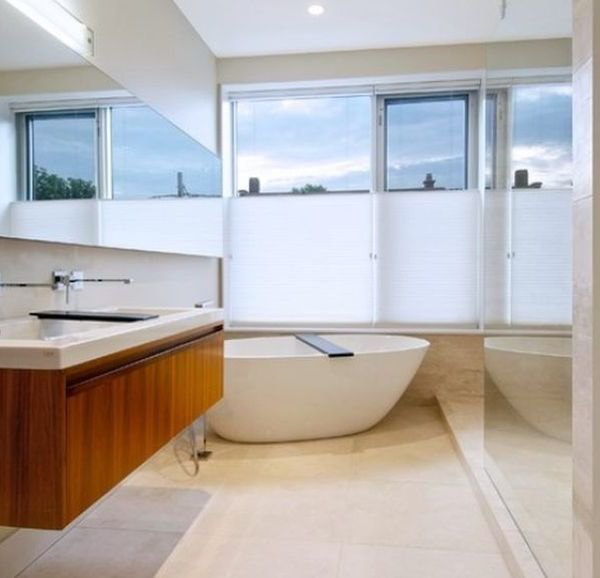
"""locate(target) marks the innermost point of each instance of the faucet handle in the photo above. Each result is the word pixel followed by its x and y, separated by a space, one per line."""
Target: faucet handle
pixel 60 280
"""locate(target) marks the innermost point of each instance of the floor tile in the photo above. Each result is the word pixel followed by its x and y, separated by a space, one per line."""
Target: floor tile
pixel 146 508
pixel 252 559
pixel 432 460
pixel 389 562
pixel 86 552
pixel 418 515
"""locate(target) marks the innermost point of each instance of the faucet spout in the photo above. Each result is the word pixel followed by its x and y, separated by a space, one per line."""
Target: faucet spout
pixel 125 281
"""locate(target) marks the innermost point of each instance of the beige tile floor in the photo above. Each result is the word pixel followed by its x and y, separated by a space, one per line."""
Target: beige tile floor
pixel 393 502
pixel 128 534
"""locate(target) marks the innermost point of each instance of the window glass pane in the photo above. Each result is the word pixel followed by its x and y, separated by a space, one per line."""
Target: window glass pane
pixel 542 136
pixel 63 155
pixel 426 144
pixel 152 158
pixel 304 144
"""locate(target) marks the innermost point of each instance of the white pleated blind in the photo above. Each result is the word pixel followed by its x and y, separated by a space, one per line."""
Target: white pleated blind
pixel 427 257
pixel 63 221
pixel 541 269
pixel 300 259
pixel 497 247
pixel 189 226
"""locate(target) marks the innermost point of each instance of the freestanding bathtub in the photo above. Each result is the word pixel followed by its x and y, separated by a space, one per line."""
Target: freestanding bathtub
pixel 280 389
pixel 534 376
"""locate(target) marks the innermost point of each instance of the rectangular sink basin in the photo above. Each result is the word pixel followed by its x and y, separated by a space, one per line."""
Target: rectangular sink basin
pixel 32 343
pixel 47 329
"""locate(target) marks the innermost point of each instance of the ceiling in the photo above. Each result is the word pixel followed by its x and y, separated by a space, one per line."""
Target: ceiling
pixel 24 45
pixel 243 28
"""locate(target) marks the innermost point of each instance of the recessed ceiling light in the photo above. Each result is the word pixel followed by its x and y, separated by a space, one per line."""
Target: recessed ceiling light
pixel 316 10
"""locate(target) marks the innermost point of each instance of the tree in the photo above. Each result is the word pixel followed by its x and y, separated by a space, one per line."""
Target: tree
pixel 49 186
pixel 308 188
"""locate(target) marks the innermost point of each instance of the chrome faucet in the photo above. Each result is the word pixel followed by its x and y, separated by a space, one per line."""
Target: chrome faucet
pixel 64 281
pixel 75 281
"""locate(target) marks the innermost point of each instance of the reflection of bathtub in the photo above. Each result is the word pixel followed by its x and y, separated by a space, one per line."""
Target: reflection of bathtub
pixel 279 389
pixel 534 375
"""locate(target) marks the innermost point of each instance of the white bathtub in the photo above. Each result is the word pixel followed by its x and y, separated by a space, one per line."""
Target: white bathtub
pixel 534 375
pixel 279 389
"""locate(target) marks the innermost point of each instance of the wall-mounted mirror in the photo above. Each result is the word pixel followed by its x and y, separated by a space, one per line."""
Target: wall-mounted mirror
pixel 83 161
pixel 528 261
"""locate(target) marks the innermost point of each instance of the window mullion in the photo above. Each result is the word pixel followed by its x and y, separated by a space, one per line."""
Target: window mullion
pixel 380 156
pixel 104 154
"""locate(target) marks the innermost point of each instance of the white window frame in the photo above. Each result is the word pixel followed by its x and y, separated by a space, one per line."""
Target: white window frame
pixel 472 134
pixel 100 107
pixel 232 104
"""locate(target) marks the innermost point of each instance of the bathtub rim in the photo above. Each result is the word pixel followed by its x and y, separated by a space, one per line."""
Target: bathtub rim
pixel 310 353
pixel 496 344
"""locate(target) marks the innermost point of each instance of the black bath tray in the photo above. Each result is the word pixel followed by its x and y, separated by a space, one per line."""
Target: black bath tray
pixel 108 316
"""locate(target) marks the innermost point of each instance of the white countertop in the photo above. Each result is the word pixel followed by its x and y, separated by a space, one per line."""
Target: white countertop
pixel 25 347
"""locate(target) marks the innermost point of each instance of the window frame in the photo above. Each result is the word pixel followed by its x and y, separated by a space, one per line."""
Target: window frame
pixel 470 92
pixel 101 108
pixel 234 102
pixel 470 98
pixel 478 87
pixel 25 145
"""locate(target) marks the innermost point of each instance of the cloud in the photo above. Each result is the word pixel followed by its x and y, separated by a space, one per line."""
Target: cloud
pixel 335 174
pixel 550 165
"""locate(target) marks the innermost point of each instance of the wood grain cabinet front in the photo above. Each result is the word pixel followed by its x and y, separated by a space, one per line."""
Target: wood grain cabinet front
pixel 90 434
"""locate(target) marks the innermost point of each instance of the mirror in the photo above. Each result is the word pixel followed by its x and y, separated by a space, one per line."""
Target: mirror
pixel 528 257
pixel 85 162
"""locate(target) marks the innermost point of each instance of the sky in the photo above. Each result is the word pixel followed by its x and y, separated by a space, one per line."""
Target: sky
pixel 147 152
pixel 542 134
pixel 327 141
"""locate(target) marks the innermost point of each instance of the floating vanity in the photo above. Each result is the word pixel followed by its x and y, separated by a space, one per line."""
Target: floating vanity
pixel 84 403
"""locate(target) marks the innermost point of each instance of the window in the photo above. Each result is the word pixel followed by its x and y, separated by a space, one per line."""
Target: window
pixel 61 155
pixel 426 142
pixel 303 145
pixel 541 147
pixel 112 151
pixel 528 221
pixel 140 167
pixel 411 253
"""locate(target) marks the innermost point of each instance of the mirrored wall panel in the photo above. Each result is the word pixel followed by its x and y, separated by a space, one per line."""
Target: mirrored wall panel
pixel 528 289
pixel 85 162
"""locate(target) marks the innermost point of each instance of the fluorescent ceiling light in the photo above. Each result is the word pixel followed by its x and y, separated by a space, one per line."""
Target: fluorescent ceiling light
pixel 56 20
pixel 316 10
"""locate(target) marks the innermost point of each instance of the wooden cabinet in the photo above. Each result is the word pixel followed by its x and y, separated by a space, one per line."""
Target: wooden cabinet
pixel 67 437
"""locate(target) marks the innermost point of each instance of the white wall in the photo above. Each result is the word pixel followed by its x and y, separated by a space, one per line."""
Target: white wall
pixel 8 164
pixel 84 78
pixel 150 48
pixel 394 61
pixel 160 280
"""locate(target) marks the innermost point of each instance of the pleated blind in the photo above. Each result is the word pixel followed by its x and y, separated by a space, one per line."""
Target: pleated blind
pixel 300 259
pixel 541 272
pixel 428 258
